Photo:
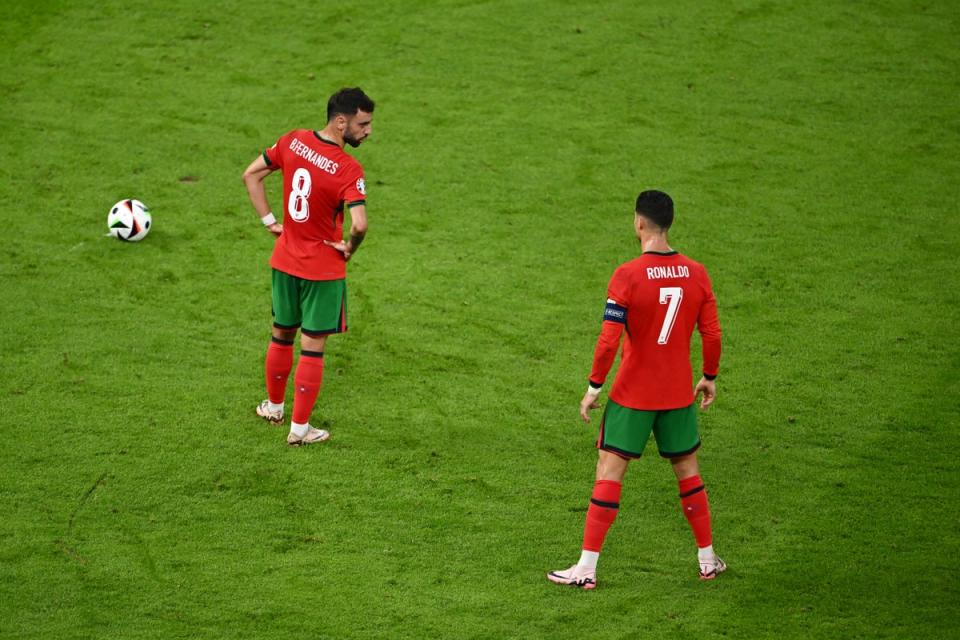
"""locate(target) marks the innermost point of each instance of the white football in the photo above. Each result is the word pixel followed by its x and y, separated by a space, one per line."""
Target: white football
pixel 129 220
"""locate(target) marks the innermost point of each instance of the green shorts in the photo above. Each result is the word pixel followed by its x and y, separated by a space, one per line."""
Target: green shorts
pixel 318 307
pixel 625 431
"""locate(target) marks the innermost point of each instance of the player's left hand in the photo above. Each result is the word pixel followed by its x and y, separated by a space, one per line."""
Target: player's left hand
pixel 276 228
pixel 589 402
pixel 709 390
pixel 342 247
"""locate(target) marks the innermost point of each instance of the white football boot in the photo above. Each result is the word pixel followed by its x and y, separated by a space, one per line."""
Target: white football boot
pixel 576 576
pixel 312 436
pixel 710 569
pixel 264 411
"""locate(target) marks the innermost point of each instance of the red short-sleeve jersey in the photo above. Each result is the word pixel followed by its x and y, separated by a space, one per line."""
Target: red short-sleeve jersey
pixel 319 180
pixel 659 298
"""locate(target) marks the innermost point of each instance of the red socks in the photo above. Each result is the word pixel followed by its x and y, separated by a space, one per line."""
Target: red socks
pixel 277 369
pixel 307 379
pixel 307 382
pixel 604 505
pixel 693 500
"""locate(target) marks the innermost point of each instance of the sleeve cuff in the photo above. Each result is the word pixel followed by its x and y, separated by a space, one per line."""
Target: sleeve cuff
pixel 707 376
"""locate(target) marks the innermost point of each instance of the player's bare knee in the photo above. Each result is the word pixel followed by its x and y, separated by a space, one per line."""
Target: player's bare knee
pixel 610 466
pixel 312 343
pixel 685 466
pixel 285 335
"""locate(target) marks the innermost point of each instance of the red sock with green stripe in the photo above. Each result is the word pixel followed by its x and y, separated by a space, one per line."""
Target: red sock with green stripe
pixel 277 368
pixel 306 383
pixel 696 508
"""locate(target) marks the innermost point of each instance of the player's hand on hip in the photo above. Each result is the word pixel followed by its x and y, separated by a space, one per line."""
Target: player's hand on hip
pixel 276 228
pixel 709 390
pixel 342 247
pixel 589 402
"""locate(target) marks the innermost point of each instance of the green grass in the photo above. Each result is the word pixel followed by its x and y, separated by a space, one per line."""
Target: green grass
pixel 813 150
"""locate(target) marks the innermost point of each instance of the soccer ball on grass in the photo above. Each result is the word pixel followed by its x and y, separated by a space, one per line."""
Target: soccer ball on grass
pixel 129 220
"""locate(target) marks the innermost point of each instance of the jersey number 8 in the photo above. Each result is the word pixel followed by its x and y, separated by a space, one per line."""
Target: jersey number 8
pixel 297 205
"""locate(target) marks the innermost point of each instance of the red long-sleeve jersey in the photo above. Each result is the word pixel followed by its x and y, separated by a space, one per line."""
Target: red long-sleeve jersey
pixel 658 298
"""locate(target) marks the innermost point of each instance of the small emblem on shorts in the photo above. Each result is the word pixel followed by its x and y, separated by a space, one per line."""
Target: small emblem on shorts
pixel 362 187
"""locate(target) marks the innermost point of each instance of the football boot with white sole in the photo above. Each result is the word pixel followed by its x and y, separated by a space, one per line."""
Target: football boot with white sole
pixel 312 436
pixel 576 576
pixel 710 569
pixel 271 416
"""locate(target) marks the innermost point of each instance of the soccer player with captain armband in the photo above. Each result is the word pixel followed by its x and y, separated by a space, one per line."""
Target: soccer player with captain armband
pixel 654 303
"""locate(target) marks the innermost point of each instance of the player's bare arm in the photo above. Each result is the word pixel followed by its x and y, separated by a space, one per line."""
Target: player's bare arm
pixel 358 231
pixel 253 178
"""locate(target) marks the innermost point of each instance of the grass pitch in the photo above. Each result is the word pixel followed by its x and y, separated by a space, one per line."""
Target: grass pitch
pixel 812 150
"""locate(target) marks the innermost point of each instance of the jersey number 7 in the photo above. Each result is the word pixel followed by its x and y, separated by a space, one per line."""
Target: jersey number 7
pixel 670 296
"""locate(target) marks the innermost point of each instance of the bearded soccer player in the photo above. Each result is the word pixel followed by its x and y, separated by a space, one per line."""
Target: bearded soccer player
pixel 656 300
pixel 320 181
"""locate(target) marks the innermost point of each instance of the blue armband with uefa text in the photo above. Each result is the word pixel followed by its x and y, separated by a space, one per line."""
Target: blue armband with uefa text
pixel 614 312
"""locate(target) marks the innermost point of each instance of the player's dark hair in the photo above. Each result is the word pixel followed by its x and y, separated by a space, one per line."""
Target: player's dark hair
pixel 347 102
pixel 657 207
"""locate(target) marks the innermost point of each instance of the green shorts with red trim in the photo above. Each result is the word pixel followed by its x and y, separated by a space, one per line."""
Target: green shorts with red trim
pixel 318 307
pixel 625 431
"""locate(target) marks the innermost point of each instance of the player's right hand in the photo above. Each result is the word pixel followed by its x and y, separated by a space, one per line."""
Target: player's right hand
pixel 589 402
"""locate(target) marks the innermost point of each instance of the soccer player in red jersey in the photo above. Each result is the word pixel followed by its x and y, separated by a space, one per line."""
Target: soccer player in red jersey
pixel 320 181
pixel 656 300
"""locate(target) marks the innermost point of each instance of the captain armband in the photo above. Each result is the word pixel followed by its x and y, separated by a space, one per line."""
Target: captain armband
pixel 614 312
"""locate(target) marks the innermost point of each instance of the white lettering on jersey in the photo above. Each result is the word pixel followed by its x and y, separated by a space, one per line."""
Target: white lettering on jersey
pixel 670 296
pixel 672 271
pixel 298 205
pixel 317 159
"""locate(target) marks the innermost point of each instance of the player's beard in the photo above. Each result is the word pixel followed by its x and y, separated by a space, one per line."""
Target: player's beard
pixel 350 140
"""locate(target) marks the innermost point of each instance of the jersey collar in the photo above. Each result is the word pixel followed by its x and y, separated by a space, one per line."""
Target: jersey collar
pixel 661 253
pixel 324 140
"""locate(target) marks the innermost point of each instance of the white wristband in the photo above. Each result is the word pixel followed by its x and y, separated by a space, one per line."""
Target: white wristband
pixel 593 392
pixel 268 219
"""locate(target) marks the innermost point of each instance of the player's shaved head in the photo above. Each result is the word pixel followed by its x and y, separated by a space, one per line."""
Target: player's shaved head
pixel 657 207
pixel 347 102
